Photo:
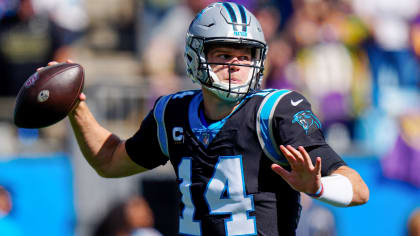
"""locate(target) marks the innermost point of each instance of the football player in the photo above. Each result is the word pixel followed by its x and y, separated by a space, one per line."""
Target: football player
pixel 241 155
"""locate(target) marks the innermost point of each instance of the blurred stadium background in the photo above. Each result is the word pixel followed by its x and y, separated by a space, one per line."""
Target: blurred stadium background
pixel 356 61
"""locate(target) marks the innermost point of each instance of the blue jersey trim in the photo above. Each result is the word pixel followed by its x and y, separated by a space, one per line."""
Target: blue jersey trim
pixel 262 93
pixel 159 113
pixel 264 125
pixel 203 132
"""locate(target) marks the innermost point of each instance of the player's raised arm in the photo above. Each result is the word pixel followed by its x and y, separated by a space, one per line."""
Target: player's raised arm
pixel 104 151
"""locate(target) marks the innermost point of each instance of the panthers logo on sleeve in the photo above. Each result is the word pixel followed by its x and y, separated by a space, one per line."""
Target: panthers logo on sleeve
pixel 306 119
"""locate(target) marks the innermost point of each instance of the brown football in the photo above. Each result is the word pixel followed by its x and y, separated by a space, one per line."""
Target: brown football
pixel 48 95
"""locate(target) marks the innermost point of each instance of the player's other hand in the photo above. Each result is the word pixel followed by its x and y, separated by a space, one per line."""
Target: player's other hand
pixel 82 96
pixel 304 176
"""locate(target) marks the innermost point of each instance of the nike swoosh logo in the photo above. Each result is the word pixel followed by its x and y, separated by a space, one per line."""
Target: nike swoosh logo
pixel 295 103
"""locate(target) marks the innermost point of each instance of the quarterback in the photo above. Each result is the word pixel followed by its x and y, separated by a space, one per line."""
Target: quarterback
pixel 241 155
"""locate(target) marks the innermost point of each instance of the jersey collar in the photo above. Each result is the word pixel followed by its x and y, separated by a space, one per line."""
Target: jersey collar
pixel 202 132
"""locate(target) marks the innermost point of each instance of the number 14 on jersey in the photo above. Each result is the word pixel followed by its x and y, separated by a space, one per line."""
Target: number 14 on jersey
pixel 225 194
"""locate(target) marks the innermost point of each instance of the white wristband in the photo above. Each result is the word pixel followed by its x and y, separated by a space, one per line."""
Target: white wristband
pixel 337 190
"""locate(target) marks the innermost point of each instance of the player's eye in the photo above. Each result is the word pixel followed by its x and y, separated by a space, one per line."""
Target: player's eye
pixel 244 58
pixel 225 56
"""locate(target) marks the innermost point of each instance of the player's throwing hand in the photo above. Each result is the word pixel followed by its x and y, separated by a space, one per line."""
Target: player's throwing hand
pixel 304 176
pixel 82 96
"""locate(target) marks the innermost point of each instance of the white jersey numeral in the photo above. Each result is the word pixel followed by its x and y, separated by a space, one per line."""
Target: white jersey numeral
pixel 225 194
pixel 186 223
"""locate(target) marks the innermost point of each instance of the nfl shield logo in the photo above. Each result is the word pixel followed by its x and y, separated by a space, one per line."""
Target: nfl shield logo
pixel 206 138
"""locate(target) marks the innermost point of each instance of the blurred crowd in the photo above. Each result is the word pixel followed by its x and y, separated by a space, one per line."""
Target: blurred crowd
pixel 33 32
pixel 357 61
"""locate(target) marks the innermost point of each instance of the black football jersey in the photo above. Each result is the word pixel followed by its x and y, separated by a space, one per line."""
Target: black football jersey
pixel 224 168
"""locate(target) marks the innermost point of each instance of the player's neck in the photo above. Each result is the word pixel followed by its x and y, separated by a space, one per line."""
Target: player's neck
pixel 216 108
